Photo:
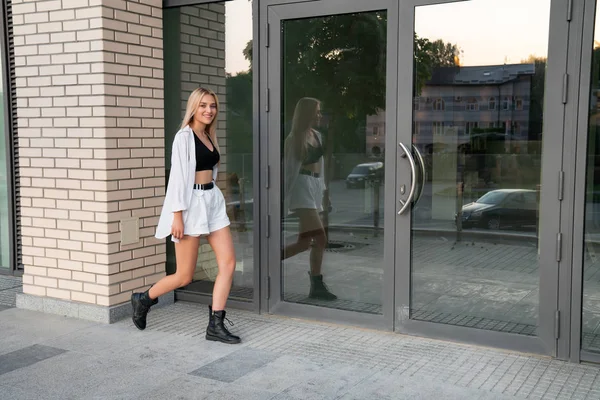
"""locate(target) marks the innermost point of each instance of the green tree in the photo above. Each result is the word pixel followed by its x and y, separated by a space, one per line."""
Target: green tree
pixel 341 60
pixel 239 113
pixel 429 55
pixel 248 53
pixel 536 98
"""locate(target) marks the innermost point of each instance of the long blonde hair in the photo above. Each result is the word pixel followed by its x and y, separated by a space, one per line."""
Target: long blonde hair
pixel 192 106
pixel 304 116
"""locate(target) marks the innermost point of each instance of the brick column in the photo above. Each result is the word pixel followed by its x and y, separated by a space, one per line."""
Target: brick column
pixel 90 114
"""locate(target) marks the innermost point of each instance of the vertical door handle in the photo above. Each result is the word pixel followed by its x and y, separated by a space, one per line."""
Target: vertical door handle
pixel 423 174
pixel 413 174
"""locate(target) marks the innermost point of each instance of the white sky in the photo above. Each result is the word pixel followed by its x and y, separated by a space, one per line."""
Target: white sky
pixel 597 27
pixel 238 30
pixel 489 31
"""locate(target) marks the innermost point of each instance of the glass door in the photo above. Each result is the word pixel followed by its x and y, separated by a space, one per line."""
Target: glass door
pixel 330 103
pixel 480 130
pixel 586 244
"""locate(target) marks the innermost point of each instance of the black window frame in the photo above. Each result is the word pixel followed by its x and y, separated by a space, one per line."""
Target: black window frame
pixel 10 128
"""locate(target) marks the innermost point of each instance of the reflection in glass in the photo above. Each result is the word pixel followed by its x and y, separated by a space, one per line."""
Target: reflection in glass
pixel 478 103
pixel 210 45
pixel 590 319
pixel 332 136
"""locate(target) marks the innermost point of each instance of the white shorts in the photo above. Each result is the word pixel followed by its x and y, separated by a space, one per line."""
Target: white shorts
pixel 307 193
pixel 207 212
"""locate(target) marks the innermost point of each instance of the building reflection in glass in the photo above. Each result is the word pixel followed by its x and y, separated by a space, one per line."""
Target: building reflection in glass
pixel 477 124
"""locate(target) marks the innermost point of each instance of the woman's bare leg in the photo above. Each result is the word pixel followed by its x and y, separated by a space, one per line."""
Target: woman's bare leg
pixel 310 222
pixel 310 227
pixel 186 256
pixel 186 252
pixel 222 244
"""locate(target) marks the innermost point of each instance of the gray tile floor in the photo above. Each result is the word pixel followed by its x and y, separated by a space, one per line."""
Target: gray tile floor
pixel 488 283
pixel 9 287
pixel 280 358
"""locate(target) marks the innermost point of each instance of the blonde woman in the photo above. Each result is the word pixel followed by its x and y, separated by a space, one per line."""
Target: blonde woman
pixel 194 206
pixel 305 190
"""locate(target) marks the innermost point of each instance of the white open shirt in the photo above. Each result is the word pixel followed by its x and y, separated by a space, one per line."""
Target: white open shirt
pixel 181 181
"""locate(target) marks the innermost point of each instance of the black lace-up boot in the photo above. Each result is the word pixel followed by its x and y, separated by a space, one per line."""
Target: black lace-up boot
pixel 319 290
pixel 216 330
pixel 141 303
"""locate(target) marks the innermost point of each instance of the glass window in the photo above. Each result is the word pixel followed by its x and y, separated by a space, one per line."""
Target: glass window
pixel 461 273
pixel 333 78
pixel 493 197
pixel 516 128
pixel 472 105
pixel 470 127
pixel 519 103
pixel 210 45
pixel 416 128
pixel 590 318
pixel 439 105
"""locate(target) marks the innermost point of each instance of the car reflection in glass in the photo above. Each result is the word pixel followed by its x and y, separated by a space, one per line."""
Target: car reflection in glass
pixel 500 209
pixel 362 173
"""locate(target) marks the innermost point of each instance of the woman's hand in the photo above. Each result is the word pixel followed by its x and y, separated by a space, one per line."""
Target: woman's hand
pixel 177 227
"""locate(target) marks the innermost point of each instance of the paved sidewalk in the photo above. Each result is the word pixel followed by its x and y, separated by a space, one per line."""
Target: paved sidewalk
pixel 46 356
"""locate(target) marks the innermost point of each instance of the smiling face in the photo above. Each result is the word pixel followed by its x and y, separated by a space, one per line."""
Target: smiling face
pixel 207 110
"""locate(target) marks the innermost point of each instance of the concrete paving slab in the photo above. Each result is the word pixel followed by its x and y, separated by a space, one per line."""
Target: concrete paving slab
pixel 185 388
pixel 75 375
pixel 386 385
pixel 233 391
pixel 22 328
pixel 102 340
pixel 282 373
pixel 235 365
pixel 25 357
pixel 13 393
pixel 333 382
pixel 171 352
pixel 302 362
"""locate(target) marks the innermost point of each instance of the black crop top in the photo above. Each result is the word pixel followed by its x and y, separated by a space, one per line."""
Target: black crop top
pixel 313 153
pixel 205 159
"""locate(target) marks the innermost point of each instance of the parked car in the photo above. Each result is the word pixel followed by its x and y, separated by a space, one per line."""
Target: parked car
pixel 364 172
pixel 501 208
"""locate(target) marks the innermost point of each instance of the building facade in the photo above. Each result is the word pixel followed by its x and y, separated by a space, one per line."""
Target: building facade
pixel 460 169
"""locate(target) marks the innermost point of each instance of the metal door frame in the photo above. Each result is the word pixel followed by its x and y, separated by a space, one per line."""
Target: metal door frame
pixel 582 60
pixel 275 11
pixel 550 207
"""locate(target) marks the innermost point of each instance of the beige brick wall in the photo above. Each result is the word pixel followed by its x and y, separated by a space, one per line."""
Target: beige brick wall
pixel 90 115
